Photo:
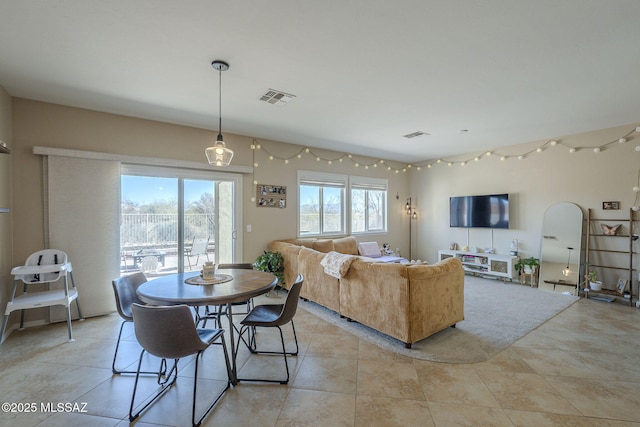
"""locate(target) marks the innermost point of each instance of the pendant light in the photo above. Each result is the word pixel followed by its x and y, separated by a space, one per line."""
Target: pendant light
pixel 219 154
pixel 567 271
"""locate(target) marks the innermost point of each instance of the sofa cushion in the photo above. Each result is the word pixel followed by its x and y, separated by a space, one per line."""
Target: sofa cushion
pixel 323 245
pixel 318 286
pixel 346 245
pixel 307 243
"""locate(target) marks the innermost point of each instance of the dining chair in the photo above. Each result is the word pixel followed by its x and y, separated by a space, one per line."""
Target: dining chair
pixel 124 289
pixel 168 332
pixel 272 316
pixel 221 309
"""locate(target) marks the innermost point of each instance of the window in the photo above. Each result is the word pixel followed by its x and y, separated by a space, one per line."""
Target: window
pixel 321 204
pixel 324 204
pixel 368 205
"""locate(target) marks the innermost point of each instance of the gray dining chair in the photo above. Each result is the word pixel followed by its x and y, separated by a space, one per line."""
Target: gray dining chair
pixel 168 332
pixel 124 289
pixel 209 313
pixel 271 316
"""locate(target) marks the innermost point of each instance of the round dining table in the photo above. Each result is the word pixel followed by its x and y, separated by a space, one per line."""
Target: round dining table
pixel 240 285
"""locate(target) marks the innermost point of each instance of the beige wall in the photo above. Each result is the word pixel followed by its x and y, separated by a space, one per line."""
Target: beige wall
pixel 534 183
pixel 6 255
pixel 49 125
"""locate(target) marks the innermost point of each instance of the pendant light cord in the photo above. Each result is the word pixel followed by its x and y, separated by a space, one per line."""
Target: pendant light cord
pixel 220 104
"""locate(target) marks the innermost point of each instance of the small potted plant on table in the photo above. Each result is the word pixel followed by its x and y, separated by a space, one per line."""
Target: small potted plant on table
pixel 528 267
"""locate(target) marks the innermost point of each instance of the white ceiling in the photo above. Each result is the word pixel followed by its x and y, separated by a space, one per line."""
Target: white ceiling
pixel 364 72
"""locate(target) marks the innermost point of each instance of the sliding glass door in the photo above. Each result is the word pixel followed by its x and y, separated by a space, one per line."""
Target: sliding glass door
pixel 175 220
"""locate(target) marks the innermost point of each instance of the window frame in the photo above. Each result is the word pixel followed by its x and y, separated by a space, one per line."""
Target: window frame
pixel 347 183
pixel 324 180
pixel 183 173
pixel 369 184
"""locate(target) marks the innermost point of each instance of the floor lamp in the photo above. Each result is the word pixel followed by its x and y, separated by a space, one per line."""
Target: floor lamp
pixel 411 211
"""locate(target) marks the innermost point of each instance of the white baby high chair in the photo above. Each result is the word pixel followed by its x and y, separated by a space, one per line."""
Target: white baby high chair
pixel 43 267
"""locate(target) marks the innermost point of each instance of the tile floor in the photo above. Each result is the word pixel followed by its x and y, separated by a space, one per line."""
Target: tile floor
pixel 581 368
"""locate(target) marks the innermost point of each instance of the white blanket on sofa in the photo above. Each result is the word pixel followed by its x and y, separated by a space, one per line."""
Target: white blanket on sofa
pixel 336 264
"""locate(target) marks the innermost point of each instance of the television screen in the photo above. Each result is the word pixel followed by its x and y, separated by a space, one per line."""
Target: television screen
pixel 489 211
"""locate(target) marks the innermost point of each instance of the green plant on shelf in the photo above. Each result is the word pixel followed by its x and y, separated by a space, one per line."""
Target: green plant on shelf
pixel 525 264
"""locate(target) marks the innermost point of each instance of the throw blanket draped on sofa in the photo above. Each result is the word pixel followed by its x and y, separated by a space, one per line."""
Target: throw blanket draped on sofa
pixel 336 264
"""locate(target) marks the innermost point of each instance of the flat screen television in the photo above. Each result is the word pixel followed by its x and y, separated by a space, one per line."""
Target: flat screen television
pixel 488 211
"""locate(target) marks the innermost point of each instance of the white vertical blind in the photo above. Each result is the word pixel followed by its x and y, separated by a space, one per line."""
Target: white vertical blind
pixel 81 218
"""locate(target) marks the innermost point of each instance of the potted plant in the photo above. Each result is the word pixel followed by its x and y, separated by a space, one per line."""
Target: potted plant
pixel 594 283
pixel 527 265
pixel 271 262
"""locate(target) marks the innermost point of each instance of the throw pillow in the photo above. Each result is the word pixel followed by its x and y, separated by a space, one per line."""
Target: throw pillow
pixel 324 245
pixel 346 245
pixel 369 249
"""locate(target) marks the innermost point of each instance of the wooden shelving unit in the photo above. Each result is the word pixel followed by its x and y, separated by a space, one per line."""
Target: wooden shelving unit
pixel 623 245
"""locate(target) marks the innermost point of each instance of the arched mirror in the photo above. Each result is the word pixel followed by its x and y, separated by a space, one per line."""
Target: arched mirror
pixel 560 247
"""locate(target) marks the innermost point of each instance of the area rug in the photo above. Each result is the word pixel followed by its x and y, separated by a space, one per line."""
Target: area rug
pixel 496 315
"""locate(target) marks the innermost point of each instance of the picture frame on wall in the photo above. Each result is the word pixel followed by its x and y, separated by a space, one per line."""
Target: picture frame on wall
pixel 610 206
pixel 271 196
pixel 622 285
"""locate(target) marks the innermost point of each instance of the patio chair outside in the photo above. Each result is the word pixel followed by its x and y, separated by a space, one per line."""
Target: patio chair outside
pixel 199 247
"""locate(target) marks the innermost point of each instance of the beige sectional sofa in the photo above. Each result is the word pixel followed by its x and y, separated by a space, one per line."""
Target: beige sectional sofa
pixel 405 301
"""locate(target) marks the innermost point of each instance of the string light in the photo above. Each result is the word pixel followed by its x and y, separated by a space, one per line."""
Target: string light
pixel 255 146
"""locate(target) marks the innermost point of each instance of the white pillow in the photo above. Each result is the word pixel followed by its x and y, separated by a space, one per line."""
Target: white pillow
pixel 369 249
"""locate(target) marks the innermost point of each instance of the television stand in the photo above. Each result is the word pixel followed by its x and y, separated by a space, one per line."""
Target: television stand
pixel 483 264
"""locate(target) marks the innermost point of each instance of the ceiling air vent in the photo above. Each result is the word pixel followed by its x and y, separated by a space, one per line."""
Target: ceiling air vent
pixel 276 97
pixel 415 134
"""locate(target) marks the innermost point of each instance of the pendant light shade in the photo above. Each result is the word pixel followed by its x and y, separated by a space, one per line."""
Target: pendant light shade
pixel 219 154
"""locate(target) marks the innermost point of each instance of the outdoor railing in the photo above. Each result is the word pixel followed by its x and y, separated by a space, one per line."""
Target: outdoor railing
pixel 140 230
